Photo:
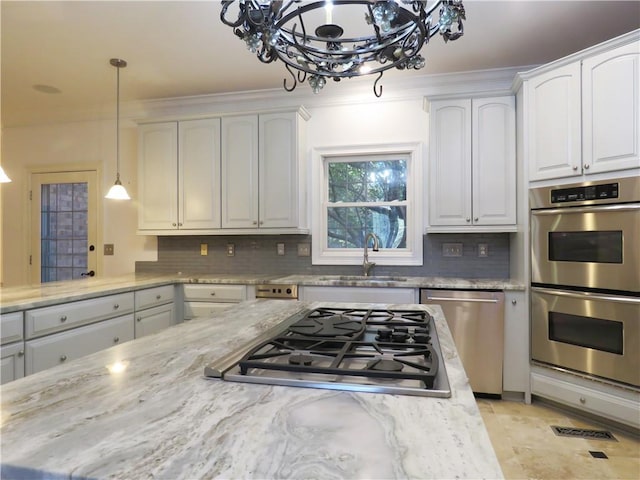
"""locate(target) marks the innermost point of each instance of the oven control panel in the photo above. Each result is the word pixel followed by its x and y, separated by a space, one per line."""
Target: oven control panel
pixel 272 290
pixel 590 192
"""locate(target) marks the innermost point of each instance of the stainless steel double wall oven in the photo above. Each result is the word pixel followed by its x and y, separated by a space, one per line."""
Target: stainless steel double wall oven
pixel 585 278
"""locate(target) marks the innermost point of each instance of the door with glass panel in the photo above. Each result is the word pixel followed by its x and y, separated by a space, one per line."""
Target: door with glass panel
pixel 63 226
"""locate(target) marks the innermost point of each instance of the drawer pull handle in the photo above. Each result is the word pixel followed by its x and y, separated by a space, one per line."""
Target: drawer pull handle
pixel 116 339
pixel 158 297
pixel 63 318
pixel 116 306
pixel 63 358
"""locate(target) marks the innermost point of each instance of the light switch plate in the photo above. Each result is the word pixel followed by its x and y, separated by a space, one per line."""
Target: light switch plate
pixel 451 249
pixel 280 248
pixel 304 249
pixel 108 248
pixel 483 250
pixel 204 249
pixel 231 249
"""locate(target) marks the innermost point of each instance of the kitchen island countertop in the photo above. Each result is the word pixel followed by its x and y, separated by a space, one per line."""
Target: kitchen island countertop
pixel 161 418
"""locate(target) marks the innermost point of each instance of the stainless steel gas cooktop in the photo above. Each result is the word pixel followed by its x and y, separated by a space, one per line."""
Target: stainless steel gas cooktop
pixel 364 350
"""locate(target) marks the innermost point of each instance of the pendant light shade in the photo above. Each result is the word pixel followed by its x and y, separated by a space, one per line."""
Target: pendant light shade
pixel 3 177
pixel 117 191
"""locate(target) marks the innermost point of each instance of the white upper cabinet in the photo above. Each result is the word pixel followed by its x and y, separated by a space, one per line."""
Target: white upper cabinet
pixel 583 113
pixel 611 110
pixel 472 174
pixel 553 111
pixel 263 182
pixel 179 175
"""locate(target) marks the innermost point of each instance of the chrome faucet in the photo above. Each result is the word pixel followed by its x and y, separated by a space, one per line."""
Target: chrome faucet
pixel 366 264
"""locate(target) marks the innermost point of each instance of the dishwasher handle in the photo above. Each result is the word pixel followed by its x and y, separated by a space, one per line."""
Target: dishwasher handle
pixel 459 299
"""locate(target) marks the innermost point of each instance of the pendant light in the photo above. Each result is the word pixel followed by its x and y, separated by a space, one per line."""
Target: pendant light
pixel 3 176
pixel 117 191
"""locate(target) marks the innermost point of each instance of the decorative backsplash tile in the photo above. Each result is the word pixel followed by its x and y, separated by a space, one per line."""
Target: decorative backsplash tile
pixel 259 254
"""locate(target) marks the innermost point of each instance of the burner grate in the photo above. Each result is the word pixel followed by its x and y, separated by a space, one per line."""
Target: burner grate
pixel 583 433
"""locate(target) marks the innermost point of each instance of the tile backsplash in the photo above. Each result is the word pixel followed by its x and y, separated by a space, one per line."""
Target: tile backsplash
pixel 259 254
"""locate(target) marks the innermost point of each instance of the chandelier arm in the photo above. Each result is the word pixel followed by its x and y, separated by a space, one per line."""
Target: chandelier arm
pixel 225 5
pixel 377 89
pixel 284 82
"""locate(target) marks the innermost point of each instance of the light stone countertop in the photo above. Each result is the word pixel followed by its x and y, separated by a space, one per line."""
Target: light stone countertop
pixel 161 418
pixel 46 294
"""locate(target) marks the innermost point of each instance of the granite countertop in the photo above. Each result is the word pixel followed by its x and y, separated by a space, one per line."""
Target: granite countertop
pixel 161 418
pixel 46 294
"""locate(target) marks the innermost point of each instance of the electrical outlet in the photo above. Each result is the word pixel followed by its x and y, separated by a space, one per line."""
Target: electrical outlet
pixel 451 249
pixel 204 249
pixel 304 249
pixel 280 248
pixel 108 248
pixel 483 250
pixel 231 250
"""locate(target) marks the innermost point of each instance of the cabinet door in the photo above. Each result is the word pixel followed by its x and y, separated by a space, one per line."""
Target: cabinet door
pixel 11 362
pixel 494 161
pixel 554 123
pixel 240 172
pixel 450 162
pixel 158 176
pixel 52 350
pixel 199 174
pixel 154 320
pixel 611 110
pixel 278 186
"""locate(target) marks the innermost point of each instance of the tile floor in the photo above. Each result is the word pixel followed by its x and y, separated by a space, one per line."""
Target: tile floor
pixel 527 447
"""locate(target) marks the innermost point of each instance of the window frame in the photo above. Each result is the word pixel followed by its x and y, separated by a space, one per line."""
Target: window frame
pixel 412 254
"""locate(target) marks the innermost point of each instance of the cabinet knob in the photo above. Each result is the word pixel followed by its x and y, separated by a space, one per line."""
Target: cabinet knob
pixel 158 297
pixel 63 318
pixel 514 301
pixel 63 358
pixel 261 222
pixel 255 222
pixel 468 219
pixel 116 306
pixel 583 400
pixel 213 294
pixel 475 219
pixel 116 339
pixel 179 224
pixel 21 353
pixel 174 225
pixel 139 319
pixel 575 167
pixel 586 167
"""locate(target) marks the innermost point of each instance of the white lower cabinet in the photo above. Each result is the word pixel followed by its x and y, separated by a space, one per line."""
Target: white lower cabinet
pixel 207 300
pixel 12 362
pixel 358 294
pixel 155 310
pixel 617 404
pixel 515 371
pixel 56 349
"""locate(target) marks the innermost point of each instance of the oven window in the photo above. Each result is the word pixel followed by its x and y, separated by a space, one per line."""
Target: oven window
pixel 604 335
pixel 597 247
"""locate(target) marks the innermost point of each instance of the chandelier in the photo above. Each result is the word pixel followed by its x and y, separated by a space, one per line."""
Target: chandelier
pixel 306 35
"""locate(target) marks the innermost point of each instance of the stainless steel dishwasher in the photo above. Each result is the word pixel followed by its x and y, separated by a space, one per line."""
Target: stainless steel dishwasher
pixel 476 321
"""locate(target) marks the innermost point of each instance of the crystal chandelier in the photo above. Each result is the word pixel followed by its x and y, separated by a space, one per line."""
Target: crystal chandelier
pixel 306 35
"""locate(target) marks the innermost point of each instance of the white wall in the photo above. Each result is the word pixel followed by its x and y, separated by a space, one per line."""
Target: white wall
pixel 40 147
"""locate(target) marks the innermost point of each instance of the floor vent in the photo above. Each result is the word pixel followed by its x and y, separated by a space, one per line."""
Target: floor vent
pixel 583 433
pixel 596 454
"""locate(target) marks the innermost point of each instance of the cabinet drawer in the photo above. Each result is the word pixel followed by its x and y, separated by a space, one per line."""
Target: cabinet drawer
pixel 12 362
pixel 215 293
pixel 11 327
pixel 43 321
pixel 203 309
pixel 154 296
pixel 61 348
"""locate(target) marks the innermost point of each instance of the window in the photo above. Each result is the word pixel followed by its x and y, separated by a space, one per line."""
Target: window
pixel 363 190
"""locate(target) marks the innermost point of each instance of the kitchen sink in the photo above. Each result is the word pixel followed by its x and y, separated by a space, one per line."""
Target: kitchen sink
pixel 362 278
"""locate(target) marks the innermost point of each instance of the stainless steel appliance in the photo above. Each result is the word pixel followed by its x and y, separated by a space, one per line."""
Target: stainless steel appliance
pixel 364 350
pixel 585 278
pixel 476 321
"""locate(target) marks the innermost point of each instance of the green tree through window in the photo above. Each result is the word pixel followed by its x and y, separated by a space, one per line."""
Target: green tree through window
pixel 367 196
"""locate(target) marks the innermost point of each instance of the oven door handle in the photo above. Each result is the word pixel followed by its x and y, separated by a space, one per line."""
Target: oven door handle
pixel 462 299
pixel 587 295
pixel 590 209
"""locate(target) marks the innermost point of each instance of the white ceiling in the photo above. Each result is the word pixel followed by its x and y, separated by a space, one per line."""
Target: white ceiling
pixel 181 48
